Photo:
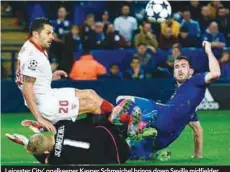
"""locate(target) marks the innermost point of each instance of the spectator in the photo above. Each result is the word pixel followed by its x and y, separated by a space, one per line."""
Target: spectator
pixel 76 38
pixel 225 65
pixel 195 9
pixel 114 39
pixel 96 39
pixel 61 25
pixel 192 25
pixel 126 25
pixel 61 29
pixel 73 43
pixel 146 37
pixel 87 68
pixel 146 61
pixel 105 20
pixel 176 51
pixel 114 72
pixel 88 27
pixel 224 59
pixel 173 25
pixel 214 36
pixel 213 6
pixel 135 71
pixel 223 21
pixel 167 40
pixel 205 20
pixel 184 40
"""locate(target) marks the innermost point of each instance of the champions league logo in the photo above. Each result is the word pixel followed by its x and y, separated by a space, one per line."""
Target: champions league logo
pixel 33 65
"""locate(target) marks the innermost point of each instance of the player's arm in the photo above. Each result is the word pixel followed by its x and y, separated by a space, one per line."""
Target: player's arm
pixel 27 91
pixel 214 68
pixel 198 138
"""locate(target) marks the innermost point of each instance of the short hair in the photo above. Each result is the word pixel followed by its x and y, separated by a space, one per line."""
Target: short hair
pixel 99 24
pixel 125 4
pixel 140 44
pixel 113 64
pixel 90 15
pixel 225 52
pixel 62 7
pixel 177 45
pixel 220 8
pixel 185 58
pixel 37 144
pixel 213 22
pixel 135 58
pixel 38 24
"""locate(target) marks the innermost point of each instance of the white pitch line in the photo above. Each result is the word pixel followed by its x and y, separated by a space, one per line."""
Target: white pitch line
pixel 18 162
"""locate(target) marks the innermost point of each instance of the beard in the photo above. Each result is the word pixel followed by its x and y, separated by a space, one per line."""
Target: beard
pixel 182 79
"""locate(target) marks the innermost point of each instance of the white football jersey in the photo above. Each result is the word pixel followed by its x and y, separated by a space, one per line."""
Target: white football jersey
pixel 33 61
pixel 53 104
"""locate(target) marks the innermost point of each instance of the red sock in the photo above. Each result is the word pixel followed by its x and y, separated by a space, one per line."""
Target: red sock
pixel 106 107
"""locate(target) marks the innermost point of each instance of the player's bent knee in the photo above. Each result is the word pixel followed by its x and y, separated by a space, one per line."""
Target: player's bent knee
pixel 93 107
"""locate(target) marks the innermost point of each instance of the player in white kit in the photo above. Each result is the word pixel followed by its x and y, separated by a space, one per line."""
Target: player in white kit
pixel 34 77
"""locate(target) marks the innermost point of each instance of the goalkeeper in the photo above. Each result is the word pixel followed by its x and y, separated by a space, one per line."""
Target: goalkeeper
pixel 85 141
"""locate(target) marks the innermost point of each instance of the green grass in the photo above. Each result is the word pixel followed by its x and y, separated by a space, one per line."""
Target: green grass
pixel 216 125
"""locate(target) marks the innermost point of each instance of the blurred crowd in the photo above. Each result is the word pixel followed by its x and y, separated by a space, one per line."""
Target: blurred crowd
pixel 121 25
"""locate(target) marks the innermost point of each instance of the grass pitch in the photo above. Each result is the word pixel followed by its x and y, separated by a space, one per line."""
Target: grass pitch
pixel 216 126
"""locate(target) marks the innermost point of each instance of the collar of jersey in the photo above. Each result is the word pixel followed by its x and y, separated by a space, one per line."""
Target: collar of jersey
pixel 37 46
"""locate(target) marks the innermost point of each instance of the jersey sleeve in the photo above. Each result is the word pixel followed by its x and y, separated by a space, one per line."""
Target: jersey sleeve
pixel 199 79
pixel 194 118
pixel 31 67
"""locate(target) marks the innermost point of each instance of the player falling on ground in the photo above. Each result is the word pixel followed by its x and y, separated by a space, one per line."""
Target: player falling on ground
pixel 34 77
pixel 171 118
pixel 84 141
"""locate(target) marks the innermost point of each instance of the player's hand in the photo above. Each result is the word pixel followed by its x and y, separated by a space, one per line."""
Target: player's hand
pixel 47 124
pixel 58 74
pixel 207 46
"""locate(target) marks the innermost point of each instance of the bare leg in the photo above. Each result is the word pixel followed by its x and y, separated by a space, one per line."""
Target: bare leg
pixel 88 106
pixel 89 94
pixel 91 102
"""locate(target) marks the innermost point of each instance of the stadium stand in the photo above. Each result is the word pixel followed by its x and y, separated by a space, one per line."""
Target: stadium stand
pixel 16 18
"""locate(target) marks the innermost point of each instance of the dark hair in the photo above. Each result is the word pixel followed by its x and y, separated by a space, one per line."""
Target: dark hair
pixel 225 52
pixel 113 64
pixel 38 24
pixel 185 58
pixel 220 8
pixel 141 44
pixel 135 58
pixel 89 15
pixel 86 49
pixel 125 4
